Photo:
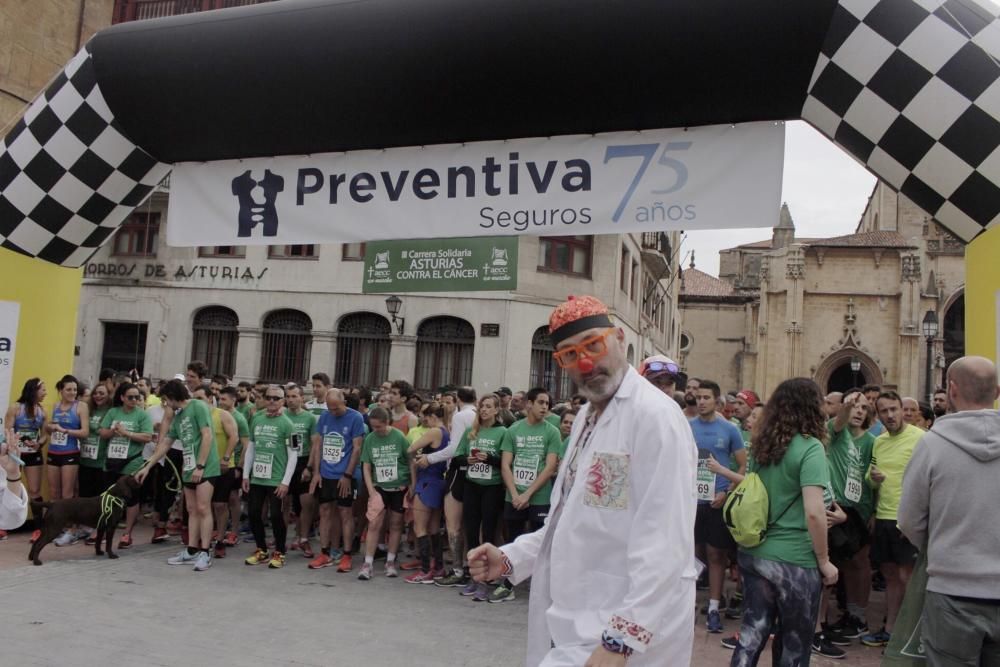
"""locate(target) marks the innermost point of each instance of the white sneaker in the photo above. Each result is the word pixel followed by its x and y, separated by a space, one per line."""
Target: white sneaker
pixel 202 562
pixel 67 538
pixel 183 558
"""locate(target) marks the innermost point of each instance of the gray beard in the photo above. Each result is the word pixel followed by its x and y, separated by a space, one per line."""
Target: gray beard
pixel 606 388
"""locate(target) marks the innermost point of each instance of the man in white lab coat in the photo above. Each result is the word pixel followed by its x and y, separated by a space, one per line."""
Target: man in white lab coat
pixel 612 569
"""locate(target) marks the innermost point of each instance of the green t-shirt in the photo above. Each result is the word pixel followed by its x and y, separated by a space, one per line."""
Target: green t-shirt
pixel 553 419
pixel 563 446
pixel 488 441
pixel 94 449
pixel 272 439
pixel 891 454
pixel 123 454
pixel 387 456
pixel 848 459
pixel 186 427
pixel 245 409
pixel 243 431
pixel 303 425
pixel 788 541
pixel 531 446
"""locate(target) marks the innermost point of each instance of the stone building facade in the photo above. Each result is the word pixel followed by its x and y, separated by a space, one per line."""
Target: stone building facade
pixel 793 306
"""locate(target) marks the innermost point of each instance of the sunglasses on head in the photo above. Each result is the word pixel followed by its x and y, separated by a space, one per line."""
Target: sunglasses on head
pixel 659 366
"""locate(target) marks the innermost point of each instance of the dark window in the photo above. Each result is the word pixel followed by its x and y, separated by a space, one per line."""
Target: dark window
pixel 565 254
pixel 292 252
pixel 353 252
pixel 444 353
pixel 634 285
pixel 124 346
pixel 545 372
pixel 222 251
pixel 215 336
pixel 362 350
pixel 138 236
pixel 625 265
pixel 286 342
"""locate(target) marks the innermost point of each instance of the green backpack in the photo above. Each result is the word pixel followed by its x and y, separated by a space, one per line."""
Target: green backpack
pixel 746 511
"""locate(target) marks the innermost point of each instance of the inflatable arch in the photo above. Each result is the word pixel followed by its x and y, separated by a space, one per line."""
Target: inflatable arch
pixel 908 87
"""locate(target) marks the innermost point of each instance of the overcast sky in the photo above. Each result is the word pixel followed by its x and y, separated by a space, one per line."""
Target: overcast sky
pixel 825 188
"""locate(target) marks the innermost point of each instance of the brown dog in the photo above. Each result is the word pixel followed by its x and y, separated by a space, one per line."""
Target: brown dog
pixel 87 512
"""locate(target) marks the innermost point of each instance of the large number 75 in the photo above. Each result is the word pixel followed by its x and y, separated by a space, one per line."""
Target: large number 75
pixel 646 152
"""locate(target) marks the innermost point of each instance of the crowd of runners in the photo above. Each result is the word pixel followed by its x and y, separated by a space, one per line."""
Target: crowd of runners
pixel 345 476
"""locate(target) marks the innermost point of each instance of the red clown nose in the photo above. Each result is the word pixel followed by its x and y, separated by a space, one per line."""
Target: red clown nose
pixel 586 365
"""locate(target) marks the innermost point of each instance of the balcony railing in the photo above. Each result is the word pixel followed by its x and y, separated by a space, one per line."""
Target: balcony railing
pixel 139 10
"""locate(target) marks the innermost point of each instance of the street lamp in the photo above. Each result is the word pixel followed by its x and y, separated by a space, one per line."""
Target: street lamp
pixel 855 367
pixel 930 328
pixel 392 304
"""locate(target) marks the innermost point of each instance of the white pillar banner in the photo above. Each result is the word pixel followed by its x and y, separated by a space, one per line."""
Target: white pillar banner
pixel 10 314
pixel 711 177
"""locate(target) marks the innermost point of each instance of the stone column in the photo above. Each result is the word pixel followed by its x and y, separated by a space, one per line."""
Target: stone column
pixel 248 354
pixel 402 357
pixel 321 357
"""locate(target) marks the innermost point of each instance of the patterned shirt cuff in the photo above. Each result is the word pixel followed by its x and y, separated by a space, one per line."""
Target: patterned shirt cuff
pixel 506 569
pixel 634 635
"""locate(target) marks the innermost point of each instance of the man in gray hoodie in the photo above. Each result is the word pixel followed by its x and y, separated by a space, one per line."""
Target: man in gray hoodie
pixel 949 509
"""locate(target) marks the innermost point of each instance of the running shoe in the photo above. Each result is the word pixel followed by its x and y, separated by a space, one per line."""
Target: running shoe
pixel 35 535
pixel 125 542
pixel 877 639
pixel 231 539
pixel 83 533
pixel 67 538
pixel 821 646
pixel 220 550
pixel 834 636
pixel 735 609
pixel 91 539
pixel 482 593
pixel 159 535
pixel 730 642
pixel 174 527
pixel 469 590
pixel 345 564
pixel 851 626
pixel 257 557
pixel 502 593
pixel 320 561
pixel 714 621
pixel 182 558
pixel 456 578
pixel 307 550
pixel 419 577
pixel 410 565
pixel 202 562
pixel 3 535
pixel 437 573
pixel 366 572
pixel 277 561
pixel 391 571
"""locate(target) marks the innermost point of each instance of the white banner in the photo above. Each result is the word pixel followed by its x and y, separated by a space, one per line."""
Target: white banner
pixel 700 178
pixel 10 315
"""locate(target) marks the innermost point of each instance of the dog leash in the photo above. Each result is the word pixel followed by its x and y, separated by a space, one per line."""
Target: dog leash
pixel 177 477
pixel 109 503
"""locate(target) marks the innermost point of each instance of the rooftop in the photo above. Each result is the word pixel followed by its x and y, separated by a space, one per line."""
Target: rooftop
pixel 695 283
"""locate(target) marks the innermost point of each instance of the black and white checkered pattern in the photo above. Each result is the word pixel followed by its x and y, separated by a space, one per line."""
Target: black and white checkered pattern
pixel 911 88
pixel 68 174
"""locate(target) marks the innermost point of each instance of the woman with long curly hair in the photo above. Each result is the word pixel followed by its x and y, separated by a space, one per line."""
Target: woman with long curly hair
pixel 784 576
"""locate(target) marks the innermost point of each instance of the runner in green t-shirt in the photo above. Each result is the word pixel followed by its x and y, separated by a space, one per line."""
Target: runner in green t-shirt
pixel 227 401
pixel 127 428
pixel 482 496
pixel 528 463
pixel 93 449
pixel 192 425
pixel 270 462
pixel 303 503
pixel 387 474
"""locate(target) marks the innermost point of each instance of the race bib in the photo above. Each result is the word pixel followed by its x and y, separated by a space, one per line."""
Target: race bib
pixel 852 486
pixel 480 470
pixel 704 484
pixel 89 451
pixel 118 448
pixel 526 469
pixel 58 438
pixel 189 461
pixel 22 446
pixel 385 474
pixel 263 463
pixel 333 451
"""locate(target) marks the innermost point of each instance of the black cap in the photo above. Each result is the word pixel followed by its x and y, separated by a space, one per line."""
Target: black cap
pixel 504 391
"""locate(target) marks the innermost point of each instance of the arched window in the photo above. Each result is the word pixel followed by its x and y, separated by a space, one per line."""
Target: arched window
pixel 362 350
pixel 286 341
pixel 630 355
pixel 444 353
pixel 545 372
pixel 215 337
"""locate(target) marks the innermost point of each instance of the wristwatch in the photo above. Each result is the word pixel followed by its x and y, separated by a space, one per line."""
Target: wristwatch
pixel 614 642
pixel 200 467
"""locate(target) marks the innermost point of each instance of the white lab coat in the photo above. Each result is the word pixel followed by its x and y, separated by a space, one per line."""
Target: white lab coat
pixel 622 551
pixel 13 509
